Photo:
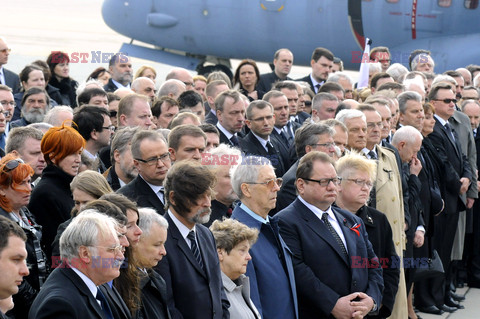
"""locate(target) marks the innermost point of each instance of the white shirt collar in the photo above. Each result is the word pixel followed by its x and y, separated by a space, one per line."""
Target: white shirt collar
pixel 184 230
pixel 120 85
pixel 262 141
pixel 91 286
pixel 224 130
pixel 442 121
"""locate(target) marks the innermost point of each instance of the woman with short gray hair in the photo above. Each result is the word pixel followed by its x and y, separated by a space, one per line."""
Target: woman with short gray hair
pixel 234 240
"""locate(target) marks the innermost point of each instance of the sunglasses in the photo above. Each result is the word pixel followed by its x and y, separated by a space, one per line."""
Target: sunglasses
pixel 447 101
pixel 11 165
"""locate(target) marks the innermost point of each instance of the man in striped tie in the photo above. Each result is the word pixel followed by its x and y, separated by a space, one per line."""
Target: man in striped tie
pixel 191 267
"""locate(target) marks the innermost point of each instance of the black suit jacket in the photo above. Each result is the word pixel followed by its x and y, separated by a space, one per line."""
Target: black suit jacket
pixel 211 118
pixel 322 272
pixel 12 80
pixel 115 301
pixel 154 297
pixel 267 80
pixel 309 81
pixel 455 164
pixel 65 296
pixel 380 235
pixel 140 192
pixel 288 192
pixel 287 154
pixel 250 145
pixel 110 86
pixel 192 292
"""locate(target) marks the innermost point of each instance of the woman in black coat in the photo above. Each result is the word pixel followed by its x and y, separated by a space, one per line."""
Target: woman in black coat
pixel 358 175
pixel 58 63
pixel 51 201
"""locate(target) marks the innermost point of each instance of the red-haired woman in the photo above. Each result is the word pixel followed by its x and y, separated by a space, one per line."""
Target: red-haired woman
pixel 15 189
pixel 59 64
pixel 51 200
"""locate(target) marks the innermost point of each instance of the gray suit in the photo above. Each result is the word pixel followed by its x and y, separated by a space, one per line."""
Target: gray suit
pixel 461 125
pixel 12 80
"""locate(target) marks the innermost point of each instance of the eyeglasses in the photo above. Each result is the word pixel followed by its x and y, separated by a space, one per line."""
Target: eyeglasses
pixel 325 181
pixel 372 125
pixel 118 249
pixel 111 128
pixel 326 145
pixel 361 182
pixel 262 119
pixel 11 165
pixel 308 103
pixel 5 103
pixel 165 158
pixel 6 50
pixel 270 183
pixel 447 101
pixel 189 84
pixel 113 113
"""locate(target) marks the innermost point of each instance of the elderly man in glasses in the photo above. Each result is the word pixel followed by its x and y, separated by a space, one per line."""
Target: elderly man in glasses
pixel 336 270
pixel 152 161
pixel 93 255
pixel 272 283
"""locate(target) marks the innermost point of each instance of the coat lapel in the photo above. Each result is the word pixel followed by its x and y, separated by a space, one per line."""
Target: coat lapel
pixel 182 245
pixel 318 227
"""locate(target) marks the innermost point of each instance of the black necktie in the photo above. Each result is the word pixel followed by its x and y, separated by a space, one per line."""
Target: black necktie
pixel 317 87
pixel 194 248
pixel 334 234
pixel 284 138
pixel 104 304
pixel 372 155
pixel 234 140
pixel 270 149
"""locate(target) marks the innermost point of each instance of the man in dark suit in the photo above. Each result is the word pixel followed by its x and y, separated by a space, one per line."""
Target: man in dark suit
pixel 260 121
pixel 321 63
pixel 282 62
pixel 312 137
pixel 230 110
pixel 458 170
pixel 279 102
pixel 272 281
pixel 12 249
pixel 191 268
pixel 71 291
pixel 472 109
pixel 213 89
pixel 152 160
pixel 336 270
pixel 120 67
pixel 7 77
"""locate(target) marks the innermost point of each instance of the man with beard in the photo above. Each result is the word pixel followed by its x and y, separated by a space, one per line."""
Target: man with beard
pixel 272 282
pixel 152 161
pixel 191 267
pixel 35 104
pixel 120 67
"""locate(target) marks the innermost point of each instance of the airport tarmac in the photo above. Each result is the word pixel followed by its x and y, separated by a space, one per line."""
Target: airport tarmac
pixel 34 28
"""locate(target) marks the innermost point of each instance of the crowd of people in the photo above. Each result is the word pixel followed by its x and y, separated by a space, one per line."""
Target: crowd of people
pixel 241 195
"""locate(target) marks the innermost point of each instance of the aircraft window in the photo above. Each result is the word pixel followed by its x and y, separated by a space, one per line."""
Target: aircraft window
pixel 471 4
pixel 445 3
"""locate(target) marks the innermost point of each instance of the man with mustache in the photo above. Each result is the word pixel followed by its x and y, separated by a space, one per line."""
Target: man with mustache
pixel 272 282
pixel 120 67
pixel 191 267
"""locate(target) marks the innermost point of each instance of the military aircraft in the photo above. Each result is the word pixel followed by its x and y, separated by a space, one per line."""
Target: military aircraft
pixel 189 32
